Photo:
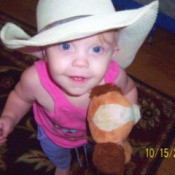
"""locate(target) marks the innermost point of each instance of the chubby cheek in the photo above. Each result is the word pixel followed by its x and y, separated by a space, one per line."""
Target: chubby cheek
pixel 56 65
pixel 55 70
pixel 100 70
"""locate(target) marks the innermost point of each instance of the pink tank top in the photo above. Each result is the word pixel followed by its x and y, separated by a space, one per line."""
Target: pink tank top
pixel 66 125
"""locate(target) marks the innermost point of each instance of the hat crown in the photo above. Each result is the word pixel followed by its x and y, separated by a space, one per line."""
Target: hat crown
pixel 50 11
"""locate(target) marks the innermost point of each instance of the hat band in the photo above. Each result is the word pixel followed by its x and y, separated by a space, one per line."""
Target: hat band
pixel 63 21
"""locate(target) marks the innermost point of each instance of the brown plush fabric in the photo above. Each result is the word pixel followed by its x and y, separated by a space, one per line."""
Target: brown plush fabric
pixel 103 89
pixel 109 158
pixel 128 151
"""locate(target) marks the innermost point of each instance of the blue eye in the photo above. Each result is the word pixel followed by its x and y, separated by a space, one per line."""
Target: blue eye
pixel 65 46
pixel 97 49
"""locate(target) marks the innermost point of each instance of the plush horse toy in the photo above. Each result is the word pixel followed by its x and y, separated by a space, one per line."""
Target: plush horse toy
pixel 111 118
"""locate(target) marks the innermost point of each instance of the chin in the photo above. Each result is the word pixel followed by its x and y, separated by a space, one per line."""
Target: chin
pixel 73 89
pixel 76 91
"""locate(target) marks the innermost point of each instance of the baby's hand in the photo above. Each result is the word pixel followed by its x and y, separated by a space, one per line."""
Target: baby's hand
pixel 7 125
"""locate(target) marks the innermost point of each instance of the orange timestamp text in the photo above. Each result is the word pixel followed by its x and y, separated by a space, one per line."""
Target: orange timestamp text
pixel 160 152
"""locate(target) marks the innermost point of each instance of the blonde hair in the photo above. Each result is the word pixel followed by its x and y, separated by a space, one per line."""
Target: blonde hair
pixel 103 38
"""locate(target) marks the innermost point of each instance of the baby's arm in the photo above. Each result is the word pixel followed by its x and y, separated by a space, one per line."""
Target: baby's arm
pixel 18 104
pixel 127 86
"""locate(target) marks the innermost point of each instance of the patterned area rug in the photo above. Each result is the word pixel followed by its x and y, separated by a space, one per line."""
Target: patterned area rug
pixel 22 153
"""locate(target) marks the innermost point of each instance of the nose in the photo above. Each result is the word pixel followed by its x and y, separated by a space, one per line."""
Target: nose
pixel 81 61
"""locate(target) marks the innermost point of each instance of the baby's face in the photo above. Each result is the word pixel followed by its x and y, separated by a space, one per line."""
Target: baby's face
pixel 77 66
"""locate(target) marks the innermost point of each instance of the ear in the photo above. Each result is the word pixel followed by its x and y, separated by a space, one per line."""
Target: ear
pixel 34 51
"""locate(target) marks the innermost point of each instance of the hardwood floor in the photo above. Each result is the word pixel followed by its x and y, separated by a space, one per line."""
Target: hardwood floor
pixel 154 65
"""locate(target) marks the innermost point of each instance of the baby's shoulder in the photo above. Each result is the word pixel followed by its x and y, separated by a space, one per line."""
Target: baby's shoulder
pixel 29 77
pixel 29 73
pixel 28 85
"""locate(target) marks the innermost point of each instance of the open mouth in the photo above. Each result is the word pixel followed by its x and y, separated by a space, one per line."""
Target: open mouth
pixel 78 79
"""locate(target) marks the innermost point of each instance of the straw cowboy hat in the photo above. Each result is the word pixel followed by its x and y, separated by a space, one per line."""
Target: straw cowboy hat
pixel 64 20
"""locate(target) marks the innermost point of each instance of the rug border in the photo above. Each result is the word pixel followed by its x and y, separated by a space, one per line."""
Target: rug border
pixel 153 88
pixel 169 141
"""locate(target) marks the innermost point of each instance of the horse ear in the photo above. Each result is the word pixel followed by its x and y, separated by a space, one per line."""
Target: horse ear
pixel 34 51
pixel 105 88
pixel 109 158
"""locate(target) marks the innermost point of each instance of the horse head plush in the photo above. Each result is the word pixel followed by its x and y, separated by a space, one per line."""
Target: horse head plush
pixel 111 118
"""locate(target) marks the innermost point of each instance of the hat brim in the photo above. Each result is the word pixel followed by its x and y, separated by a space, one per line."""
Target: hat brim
pixel 134 26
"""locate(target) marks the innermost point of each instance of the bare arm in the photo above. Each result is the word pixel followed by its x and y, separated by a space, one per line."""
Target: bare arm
pixel 18 104
pixel 127 86
pixel 16 107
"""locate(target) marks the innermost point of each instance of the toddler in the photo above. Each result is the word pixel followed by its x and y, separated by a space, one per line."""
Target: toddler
pixel 80 44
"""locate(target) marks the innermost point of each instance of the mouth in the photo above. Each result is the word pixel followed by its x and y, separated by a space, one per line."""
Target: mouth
pixel 78 79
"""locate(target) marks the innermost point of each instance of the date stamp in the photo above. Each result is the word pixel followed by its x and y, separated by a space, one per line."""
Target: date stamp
pixel 160 152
